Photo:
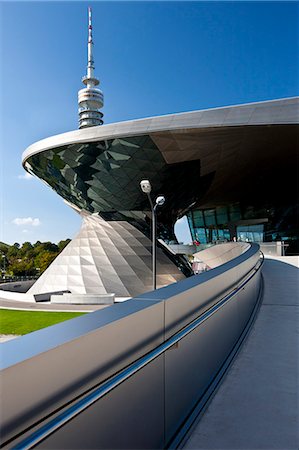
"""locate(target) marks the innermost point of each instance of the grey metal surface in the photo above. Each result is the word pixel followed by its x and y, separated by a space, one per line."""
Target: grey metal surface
pixel 221 253
pixel 282 111
pixel 222 320
pixel 50 367
pixel 130 417
pixel 256 407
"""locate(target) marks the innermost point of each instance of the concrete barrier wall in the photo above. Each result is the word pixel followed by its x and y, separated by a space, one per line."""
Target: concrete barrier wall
pixel 16 296
pixel 44 370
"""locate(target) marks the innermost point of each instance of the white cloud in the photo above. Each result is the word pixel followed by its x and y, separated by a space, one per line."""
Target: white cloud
pixel 26 176
pixel 26 221
pixel 24 231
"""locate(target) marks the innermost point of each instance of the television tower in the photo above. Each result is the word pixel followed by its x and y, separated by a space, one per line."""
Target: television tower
pixel 90 98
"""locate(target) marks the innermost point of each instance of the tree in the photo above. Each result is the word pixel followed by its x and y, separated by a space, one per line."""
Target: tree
pixel 63 244
pixel 45 246
pixel 44 259
pixel 27 250
pixel 22 267
pixel 4 248
pixel 12 252
pixel 26 259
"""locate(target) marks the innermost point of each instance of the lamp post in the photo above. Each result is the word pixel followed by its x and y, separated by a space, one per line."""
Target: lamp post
pixel 4 263
pixel 160 200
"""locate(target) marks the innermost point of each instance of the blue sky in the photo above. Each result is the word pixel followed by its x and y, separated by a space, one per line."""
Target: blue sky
pixel 152 58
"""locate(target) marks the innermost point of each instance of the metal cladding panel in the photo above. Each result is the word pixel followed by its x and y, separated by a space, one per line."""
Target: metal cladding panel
pixel 191 365
pixel 129 417
pixel 182 309
pixel 48 368
pixel 238 116
pixel 118 260
pixel 288 113
pixel 247 297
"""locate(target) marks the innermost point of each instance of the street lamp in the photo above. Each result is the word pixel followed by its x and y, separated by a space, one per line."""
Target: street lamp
pixel 4 262
pixel 160 200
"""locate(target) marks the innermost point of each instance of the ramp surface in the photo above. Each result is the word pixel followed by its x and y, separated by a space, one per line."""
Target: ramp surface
pixel 256 407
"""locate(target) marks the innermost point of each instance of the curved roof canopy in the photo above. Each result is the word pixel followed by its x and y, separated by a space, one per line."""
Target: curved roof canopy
pixel 200 158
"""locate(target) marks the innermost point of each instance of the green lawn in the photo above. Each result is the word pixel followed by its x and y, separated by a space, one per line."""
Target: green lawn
pixel 23 322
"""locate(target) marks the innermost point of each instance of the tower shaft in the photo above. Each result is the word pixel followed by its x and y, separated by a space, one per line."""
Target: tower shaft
pixel 90 98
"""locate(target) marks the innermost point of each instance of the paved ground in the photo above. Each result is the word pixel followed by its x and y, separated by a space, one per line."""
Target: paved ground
pixel 257 405
pixel 47 306
pixel 7 337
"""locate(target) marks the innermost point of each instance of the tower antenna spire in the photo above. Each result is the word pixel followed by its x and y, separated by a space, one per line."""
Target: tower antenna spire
pixel 90 62
pixel 90 98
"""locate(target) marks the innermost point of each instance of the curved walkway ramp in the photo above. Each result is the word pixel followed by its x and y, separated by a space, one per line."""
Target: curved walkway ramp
pixel 257 405
pixel 132 375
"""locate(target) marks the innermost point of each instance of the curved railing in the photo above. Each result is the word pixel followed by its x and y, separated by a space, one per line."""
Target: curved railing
pixel 213 328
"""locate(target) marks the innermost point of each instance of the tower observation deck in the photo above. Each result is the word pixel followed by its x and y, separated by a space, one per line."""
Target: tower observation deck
pixel 90 98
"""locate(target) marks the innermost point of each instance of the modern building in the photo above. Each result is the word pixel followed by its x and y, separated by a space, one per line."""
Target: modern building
pixel 141 374
pixel 232 170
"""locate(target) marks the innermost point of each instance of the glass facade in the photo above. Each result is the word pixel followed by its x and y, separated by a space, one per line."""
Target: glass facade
pixel 104 177
pixel 253 224
pixel 251 233
pixel 211 225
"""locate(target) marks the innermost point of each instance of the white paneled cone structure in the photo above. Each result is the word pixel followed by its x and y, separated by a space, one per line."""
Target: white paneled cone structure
pixel 106 257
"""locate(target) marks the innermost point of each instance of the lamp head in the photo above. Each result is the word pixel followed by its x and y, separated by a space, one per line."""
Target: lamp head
pixel 146 186
pixel 160 200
